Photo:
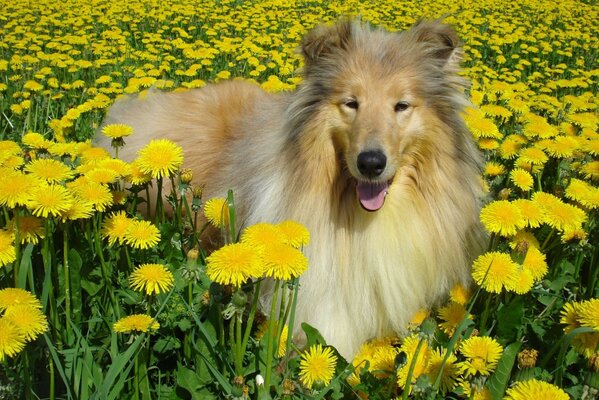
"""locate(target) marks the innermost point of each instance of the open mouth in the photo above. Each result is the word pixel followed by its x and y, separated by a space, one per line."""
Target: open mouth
pixel 372 194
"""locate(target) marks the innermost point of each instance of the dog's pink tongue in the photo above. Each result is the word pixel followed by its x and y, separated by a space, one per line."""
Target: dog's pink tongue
pixel 372 195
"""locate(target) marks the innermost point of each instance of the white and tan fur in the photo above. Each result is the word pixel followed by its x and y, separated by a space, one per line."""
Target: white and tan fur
pixel 293 156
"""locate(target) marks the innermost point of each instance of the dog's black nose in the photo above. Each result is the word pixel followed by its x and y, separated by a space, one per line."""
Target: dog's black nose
pixel 371 163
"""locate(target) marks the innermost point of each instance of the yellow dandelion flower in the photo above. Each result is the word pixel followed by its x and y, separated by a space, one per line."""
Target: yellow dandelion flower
pixel 136 323
pixel 480 126
pixel 90 154
pixel 283 342
pixel 524 238
pixel 558 214
pixel 120 167
pixel 77 210
pixel 380 355
pixel 460 294
pixel 451 315
pixel 30 228
pixel 94 193
pixel 522 282
pixel 16 188
pixel 317 366
pixel 535 389
pixel 9 148
pixel 11 297
pixel 102 176
pixel 488 144
pixel 482 354
pixel 493 168
pixel 537 126
pixel 284 262
pixel 7 248
pixel 234 264
pixel 35 140
pixel 142 235
pixel 562 147
pixel 589 313
pixel 419 317
pixel 160 158
pixel 50 170
pixel 116 226
pixel 29 320
pixel 409 347
pixel 502 217
pixel 136 176
pixel 531 212
pixel 511 146
pixel 216 212
pixel 584 193
pixel 117 131
pixel 451 370
pixel 522 179
pixel 533 156
pixel 262 235
pixel 535 263
pixel 12 340
pixel 62 149
pixel 152 279
pixel 494 270
pixel 590 170
pixel 49 200
pixel 570 316
pixel 295 234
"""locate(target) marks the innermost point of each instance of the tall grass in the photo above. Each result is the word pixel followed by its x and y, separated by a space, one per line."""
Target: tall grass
pixel 534 86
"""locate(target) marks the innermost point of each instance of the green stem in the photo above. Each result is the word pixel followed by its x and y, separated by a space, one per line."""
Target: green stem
pixel 238 343
pixel 250 321
pixel 291 321
pixel 159 215
pixel 406 390
pixel 17 262
pixel 67 278
pixel 104 267
pixel 270 343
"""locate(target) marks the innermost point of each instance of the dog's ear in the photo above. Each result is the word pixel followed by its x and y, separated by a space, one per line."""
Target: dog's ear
pixel 440 40
pixel 324 40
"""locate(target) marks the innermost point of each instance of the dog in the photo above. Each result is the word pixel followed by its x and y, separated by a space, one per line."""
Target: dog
pixel 370 153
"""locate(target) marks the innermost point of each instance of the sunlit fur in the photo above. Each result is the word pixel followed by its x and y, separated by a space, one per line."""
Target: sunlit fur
pixel 293 156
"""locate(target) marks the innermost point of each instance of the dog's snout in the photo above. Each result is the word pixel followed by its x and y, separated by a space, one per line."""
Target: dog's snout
pixel 371 163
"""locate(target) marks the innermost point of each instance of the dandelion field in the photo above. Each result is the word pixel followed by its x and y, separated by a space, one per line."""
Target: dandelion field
pixel 97 302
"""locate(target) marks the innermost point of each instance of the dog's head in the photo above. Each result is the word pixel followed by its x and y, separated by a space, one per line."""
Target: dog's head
pixel 391 101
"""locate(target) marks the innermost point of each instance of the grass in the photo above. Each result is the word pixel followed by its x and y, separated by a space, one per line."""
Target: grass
pixel 534 84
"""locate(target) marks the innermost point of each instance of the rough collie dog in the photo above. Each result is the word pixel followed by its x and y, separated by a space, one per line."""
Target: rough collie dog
pixel 369 153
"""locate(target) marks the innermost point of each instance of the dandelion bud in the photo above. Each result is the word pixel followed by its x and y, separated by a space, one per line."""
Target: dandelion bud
pixel 504 194
pixel 192 255
pixel 206 298
pixel 197 191
pixel 186 176
pixel 288 387
pixel 527 358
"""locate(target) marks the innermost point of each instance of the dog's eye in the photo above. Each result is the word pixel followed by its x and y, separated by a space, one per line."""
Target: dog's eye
pixel 402 106
pixel 353 104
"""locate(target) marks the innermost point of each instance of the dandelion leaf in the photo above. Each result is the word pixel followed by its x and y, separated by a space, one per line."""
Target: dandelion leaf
pixel 500 379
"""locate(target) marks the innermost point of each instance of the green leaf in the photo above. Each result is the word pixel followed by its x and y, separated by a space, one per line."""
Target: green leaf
pixel 25 266
pixel 190 381
pixel 167 344
pixel 313 335
pixel 75 263
pixel 499 380
pixel 509 319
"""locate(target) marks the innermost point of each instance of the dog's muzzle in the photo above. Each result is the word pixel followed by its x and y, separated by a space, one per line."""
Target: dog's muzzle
pixel 371 194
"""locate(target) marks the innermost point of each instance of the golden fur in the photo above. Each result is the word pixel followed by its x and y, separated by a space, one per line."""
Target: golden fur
pixel 294 156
